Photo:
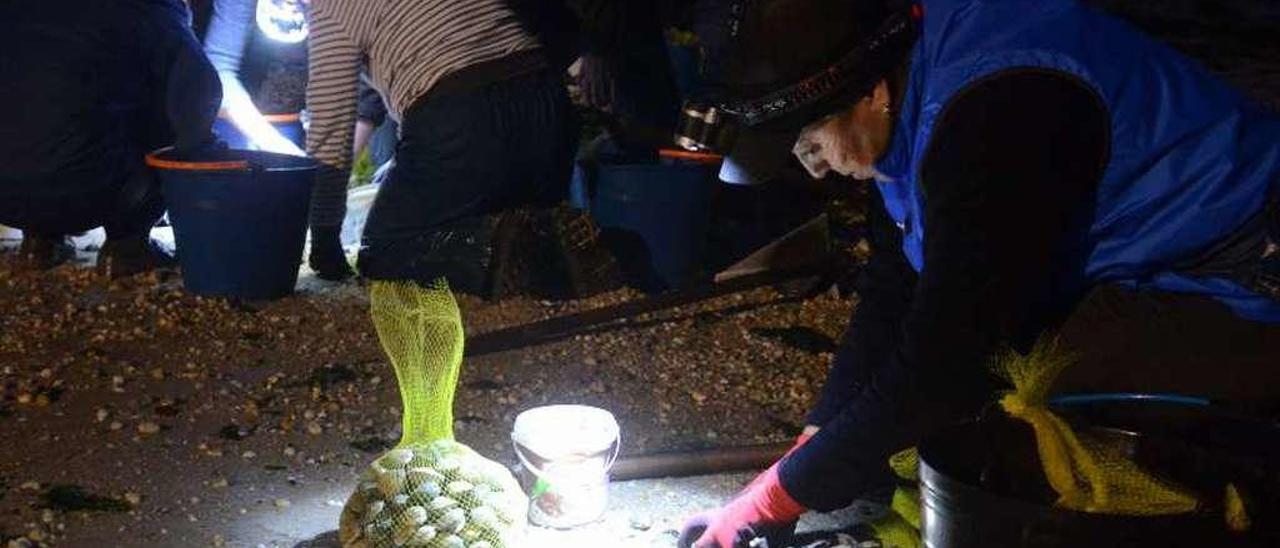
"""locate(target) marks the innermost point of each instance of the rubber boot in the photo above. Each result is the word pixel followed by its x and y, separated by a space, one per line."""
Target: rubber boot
pixel 43 252
pixel 327 258
pixel 123 257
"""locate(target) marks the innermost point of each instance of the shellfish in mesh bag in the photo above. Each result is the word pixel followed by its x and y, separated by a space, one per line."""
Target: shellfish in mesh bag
pixel 435 494
pixel 430 491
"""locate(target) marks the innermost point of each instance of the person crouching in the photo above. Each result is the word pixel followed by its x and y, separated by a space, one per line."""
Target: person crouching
pixel 90 88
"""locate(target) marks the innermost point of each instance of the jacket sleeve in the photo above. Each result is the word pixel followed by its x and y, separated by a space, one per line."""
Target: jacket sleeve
pixel 610 27
pixel 556 26
pixel 335 57
pixel 189 82
pixel 602 23
pixel 884 294
pixel 1008 182
pixel 230 27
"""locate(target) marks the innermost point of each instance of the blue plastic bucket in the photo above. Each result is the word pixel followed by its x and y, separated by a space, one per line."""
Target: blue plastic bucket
pixel 289 126
pixel 655 217
pixel 239 219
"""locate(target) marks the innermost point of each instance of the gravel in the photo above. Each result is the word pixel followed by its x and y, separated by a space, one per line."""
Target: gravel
pixel 200 408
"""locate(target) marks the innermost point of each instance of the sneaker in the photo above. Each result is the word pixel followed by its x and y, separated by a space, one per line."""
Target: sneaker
pixel 121 258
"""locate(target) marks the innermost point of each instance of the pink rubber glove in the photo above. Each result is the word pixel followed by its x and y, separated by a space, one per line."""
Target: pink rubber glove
pixel 764 506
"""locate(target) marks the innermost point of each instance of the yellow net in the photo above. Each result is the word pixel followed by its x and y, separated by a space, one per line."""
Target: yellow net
pixel 429 491
pixel 1234 510
pixel 421 331
pixel 901 527
pixel 1088 474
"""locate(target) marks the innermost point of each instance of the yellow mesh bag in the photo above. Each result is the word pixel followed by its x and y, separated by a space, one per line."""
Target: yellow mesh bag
pixel 901 528
pixel 1234 511
pixel 906 499
pixel 1088 474
pixel 430 491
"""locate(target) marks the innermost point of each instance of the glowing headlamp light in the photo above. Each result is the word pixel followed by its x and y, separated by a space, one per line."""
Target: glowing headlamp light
pixel 283 20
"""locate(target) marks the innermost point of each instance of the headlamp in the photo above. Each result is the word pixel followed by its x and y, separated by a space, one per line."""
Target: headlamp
pixel 282 20
pixel 702 128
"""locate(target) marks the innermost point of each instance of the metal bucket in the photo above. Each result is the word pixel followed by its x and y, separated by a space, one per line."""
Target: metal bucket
pixel 566 452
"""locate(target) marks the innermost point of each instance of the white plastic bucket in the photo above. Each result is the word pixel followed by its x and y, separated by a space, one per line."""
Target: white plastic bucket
pixel 568 450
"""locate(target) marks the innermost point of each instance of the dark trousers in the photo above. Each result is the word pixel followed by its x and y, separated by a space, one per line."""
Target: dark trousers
pixel 467 150
pixel 124 199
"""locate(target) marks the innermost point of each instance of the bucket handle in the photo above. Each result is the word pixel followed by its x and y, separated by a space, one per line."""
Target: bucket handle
pixel 524 461
pixel 154 160
pixel 704 158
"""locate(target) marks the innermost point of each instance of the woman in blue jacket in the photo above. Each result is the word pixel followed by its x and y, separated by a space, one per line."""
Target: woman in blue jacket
pixel 1022 153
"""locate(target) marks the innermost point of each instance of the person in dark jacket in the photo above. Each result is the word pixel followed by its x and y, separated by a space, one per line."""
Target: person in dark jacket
pixel 619 57
pixel 1022 153
pixel 89 88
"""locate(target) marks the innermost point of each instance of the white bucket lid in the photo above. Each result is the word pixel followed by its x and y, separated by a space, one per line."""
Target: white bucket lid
pixel 557 431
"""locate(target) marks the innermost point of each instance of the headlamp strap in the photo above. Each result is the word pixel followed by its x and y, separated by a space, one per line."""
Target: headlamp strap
pixel 860 68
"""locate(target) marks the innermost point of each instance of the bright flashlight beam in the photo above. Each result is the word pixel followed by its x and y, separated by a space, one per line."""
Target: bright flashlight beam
pixel 262 135
pixel 282 20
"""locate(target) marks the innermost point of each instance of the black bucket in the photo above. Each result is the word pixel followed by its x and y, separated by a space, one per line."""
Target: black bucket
pixel 982 483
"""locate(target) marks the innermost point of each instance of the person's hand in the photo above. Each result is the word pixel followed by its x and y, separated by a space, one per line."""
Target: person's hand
pixel 245 116
pixel 364 132
pixel 764 509
pixel 595 81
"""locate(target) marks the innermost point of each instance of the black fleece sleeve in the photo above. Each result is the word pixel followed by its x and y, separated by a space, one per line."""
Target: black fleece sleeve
pixel 192 91
pixel 1008 182
pixel 569 28
pixel 884 294
pixel 607 24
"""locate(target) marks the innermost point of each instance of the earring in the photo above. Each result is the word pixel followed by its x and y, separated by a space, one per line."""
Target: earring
pixel 886 107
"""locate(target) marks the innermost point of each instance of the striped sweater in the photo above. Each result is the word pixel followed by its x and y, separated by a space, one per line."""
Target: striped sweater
pixel 407 47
